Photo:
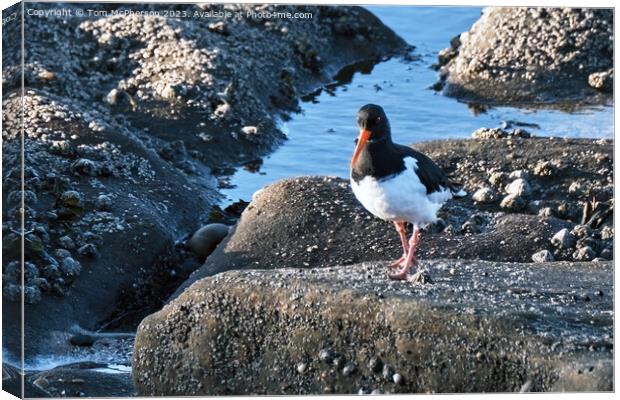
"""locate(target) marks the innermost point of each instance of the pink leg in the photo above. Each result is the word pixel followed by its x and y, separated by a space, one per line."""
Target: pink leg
pixel 400 228
pixel 410 260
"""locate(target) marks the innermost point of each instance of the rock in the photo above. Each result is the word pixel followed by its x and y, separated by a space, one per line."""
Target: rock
pixel 519 187
pixel 533 56
pixel 543 256
pixel 89 250
pixel 498 178
pixel 520 133
pixel 398 379
pixel 563 239
pixel 146 58
pixel 70 268
pixel 545 169
pixel 103 202
pixel 206 239
pixel 584 254
pixel 484 195
pixel 71 198
pixel 513 203
pixel 603 81
pixel 607 233
pixel 452 321
pixel 489 133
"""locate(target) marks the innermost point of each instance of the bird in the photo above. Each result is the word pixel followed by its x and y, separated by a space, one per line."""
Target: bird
pixel 397 183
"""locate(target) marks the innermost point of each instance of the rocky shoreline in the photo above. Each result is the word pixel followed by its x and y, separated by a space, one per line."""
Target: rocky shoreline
pixel 126 129
pixel 122 219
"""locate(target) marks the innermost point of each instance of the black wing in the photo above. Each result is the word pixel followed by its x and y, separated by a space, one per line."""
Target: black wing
pixel 431 176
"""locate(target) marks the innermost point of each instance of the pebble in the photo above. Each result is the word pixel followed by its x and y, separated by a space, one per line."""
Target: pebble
pixel 349 369
pixel 542 256
pixel 326 355
pixel 484 195
pixel 544 168
pixel 512 202
pixel 206 239
pixel 563 239
pixel 88 250
pixel 607 233
pixel 584 254
pixel 302 367
pixel 84 166
pixel 70 267
pixel 388 372
pixel 375 364
pixel 489 133
pixel 519 187
pixel 103 202
pixel 71 198
pixel 398 379
pixel 497 179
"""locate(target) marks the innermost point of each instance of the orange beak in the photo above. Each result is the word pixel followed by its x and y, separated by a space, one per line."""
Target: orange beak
pixel 361 141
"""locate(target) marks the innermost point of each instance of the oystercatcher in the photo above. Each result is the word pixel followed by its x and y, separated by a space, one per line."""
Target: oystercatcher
pixel 397 183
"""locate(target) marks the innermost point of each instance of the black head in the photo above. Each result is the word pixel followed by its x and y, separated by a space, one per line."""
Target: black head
pixel 374 127
pixel 372 118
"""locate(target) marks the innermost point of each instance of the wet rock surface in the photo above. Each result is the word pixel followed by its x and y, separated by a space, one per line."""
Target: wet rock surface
pixel 330 227
pixel 532 56
pixel 480 326
pixel 127 119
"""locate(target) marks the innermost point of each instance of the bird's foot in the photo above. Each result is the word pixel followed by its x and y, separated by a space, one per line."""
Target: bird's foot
pixel 403 273
pixel 398 263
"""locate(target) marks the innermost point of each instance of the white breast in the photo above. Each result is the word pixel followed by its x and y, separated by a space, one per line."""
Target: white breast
pixel 400 197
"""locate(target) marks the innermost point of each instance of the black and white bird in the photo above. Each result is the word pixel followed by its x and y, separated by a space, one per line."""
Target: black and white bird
pixel 397 183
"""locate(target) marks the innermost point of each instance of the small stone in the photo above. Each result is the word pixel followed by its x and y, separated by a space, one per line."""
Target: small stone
pixel 542 256
pixel 32 294
pixel 71 198
pixel 484 195
pixel 521 133
pixel 518 174
pixel 563 239
pixel 88 250
pixel 519 187
pixel 376 392
pixel 607 233
pixel 388 372
pixel 66 242
pixel 574 187
pixel 602 81
pixel 326 355
pixel 584 254
pixel 546 212
pixel 103 203
pixel 302 367
pixel 512 202
pixel 70 267
pixel 84 166
pixel 489 133
pixel 112 97
pixel 497 179
pixel 46 75
pixel 349 369
pixel 249 130
pixel 581 231
pixel 544 168
pixel 62 253
pixel 82 340
pixel 398 379
pixel 206 239
pixel 375 364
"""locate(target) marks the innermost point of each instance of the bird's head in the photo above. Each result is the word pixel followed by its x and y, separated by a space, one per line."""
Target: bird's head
pixel 374 127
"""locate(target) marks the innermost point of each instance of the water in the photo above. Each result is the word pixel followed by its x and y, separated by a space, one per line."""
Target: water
pixel 321 137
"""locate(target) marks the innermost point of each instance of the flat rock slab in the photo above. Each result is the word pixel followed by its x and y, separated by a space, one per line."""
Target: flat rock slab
pixel 479 327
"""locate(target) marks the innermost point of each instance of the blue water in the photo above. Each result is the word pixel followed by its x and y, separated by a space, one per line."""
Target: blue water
pixel 321 137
